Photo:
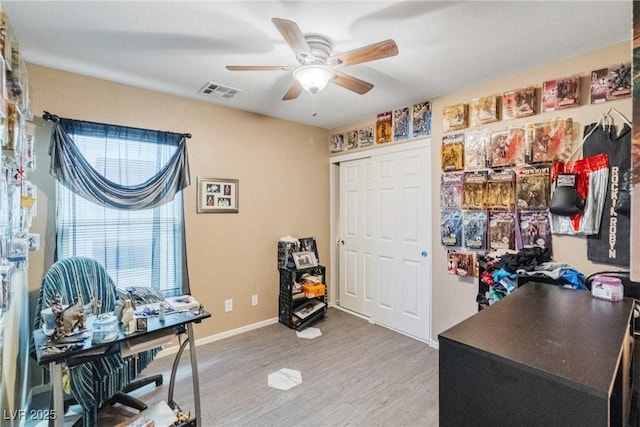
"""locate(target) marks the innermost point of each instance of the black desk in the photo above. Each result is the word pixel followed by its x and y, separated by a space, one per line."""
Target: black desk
pixel 177 323
pixel 542 356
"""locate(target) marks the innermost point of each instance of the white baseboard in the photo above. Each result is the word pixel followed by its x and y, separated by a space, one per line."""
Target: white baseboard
pixel 353 313
pixel 431 343
pixel 213 338
pixel 222 335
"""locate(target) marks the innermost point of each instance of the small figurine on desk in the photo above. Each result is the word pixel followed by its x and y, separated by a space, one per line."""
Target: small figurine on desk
pixel 56 308
pixel 181 417
pixel 70 318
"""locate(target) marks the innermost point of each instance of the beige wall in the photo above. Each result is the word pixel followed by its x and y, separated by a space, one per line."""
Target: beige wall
pixel 284 187
pixel 454 298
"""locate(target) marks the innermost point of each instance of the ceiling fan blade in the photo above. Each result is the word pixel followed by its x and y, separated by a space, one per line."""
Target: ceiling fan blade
pixel 371 52
pixel 260 68
pixel 294 91
pixel 352 83
pixel 293 36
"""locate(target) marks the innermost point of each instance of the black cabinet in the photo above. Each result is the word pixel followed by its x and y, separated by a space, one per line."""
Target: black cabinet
pixel 295 309
pixel 543 356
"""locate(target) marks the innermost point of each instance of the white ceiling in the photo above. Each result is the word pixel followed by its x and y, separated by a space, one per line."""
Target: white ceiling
pixel 177 46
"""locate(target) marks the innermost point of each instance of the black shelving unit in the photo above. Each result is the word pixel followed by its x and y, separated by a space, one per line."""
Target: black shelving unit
pixel 290 300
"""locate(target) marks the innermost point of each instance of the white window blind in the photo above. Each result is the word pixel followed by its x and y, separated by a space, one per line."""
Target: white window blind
pixel 137 247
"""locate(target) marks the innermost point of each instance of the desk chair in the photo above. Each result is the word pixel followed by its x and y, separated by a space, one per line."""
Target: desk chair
pixel 107 379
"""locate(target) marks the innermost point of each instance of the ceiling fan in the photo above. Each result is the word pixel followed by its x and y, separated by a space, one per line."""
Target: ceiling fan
pixel 318 63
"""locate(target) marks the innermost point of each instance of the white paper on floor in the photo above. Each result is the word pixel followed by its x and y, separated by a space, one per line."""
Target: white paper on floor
pixel 309 333
pixel 284 379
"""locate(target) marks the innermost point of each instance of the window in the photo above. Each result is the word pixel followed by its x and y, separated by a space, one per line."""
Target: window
pixel 137 247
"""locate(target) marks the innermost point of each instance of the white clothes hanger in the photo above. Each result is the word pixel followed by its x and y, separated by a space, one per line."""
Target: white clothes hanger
pixel 606 121
pixel 578 149
pixel 619 114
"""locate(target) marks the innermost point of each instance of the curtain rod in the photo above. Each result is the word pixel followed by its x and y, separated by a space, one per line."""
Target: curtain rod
pixel 55 119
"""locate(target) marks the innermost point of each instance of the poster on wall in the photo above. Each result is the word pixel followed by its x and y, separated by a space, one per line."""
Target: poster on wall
pixel 619 82
pixel 483 110
pixel 455 117
pixel 365 136
pixel 352 139
pixel 383 127
pixel 401 123
pixel 519 103
pixel 598 89
pixel 635 153
pixel 421 119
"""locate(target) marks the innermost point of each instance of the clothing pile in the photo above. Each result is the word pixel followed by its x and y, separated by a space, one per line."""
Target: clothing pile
pixel 502 273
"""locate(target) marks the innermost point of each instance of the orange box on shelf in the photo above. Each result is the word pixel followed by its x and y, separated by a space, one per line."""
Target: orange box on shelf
pixel 313 290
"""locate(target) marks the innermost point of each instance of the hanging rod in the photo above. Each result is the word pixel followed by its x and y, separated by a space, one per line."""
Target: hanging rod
pixel 55 119
pixel 50 117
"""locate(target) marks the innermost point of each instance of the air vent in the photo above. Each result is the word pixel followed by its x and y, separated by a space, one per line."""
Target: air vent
pixel 216 90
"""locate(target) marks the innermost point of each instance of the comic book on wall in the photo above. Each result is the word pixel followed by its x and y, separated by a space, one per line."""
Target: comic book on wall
pixel 459 263
pixel 599 84
pixel 451 228
pixel 455 117
pixel 474 229
pixel 501 193
pixel 475 148
pixel 507 147
pixel 549 95
pixel 451 191
pixel 501 230
pixel 352 139
pixel 519 103
pixel 619 82
pixel 452 152
pixel 401 124
pixel 365 136
pixel 533 187
pixel 337 143
pixel 549 141
pixel 568 92
pixel 483 110
pixel 383 128
pixel 474 189
pixel 421 119
pixel 535 229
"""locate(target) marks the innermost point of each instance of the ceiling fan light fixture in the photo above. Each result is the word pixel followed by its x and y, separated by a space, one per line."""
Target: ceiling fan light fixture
pixel 313 78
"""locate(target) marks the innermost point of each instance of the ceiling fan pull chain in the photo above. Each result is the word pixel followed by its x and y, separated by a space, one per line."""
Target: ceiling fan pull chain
pixel 313 105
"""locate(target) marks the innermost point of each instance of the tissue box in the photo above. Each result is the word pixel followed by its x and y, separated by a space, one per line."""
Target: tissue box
pixel 313 291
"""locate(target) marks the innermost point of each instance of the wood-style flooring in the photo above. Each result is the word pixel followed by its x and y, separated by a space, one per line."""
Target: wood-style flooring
pixel 355 374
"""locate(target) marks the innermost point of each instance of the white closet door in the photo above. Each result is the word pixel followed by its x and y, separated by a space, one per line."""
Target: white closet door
pixel 356 219
pixel 385 216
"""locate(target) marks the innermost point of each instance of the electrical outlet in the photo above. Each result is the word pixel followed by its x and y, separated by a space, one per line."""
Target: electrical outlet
pixel 254 299
pixel 228 305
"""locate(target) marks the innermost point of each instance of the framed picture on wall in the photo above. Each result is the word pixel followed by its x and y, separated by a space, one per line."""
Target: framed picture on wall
pixel 217 195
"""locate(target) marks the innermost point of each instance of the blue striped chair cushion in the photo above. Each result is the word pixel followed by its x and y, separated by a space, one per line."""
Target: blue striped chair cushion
pixel 92 382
